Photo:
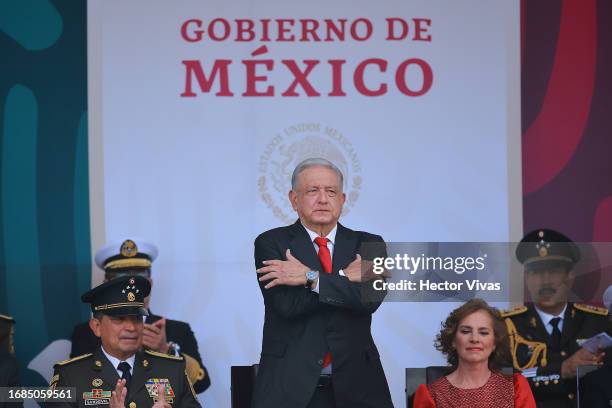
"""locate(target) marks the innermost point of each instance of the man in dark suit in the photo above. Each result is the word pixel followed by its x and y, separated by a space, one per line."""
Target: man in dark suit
pixel 133 257
pixel 317 349
pixel 546 335
pixel 118 374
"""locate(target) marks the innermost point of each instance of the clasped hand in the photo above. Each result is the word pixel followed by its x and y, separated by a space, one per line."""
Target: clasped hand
pixel 290 272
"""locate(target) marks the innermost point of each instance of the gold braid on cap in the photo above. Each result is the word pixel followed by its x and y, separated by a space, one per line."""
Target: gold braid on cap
pixel 536 346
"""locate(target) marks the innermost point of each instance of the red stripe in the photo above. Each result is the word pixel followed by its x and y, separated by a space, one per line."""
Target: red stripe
pixel 553 137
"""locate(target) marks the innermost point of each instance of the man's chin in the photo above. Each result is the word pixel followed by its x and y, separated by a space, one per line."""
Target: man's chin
pixel 129 345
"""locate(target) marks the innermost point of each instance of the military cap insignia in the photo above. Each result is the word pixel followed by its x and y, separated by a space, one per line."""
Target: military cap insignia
pixel 513 312
pixel 591 309
pixel 128 248
pixel 131 297
pixel 96 382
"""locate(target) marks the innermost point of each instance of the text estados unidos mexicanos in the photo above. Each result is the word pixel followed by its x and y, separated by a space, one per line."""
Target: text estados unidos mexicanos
pixel 411 77
pixel 413 264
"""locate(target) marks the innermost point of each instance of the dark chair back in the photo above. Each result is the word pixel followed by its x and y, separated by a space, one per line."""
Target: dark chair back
pixel 243 383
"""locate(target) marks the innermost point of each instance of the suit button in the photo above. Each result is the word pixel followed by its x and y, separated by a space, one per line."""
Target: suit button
pixel 132 404
pixel 320 362
pixel 570 396
pixel 563 354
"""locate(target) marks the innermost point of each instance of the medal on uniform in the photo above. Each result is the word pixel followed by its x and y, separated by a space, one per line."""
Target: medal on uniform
pixel 151 386
pixel 97 396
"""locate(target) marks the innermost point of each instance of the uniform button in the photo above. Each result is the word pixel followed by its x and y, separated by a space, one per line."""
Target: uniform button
pixel 570 396
pixel 320 362
pixel 556 381
pixel 537 384
pixel 545 382
pixel 132 404
pixel 563 354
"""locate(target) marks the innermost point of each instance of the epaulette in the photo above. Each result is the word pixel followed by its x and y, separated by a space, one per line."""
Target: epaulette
pixel 591 309
pixel 72 360
pixel 513 312
pixel 162 355
pixel 5 317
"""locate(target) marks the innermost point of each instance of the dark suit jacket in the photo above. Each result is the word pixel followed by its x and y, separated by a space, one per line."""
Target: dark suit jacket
pixel 94 372
pixel 596 389
pixel 301 326
pixel 577 324
pixel 84 341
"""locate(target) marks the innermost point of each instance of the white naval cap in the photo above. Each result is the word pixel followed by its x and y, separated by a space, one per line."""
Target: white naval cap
pixel 129 253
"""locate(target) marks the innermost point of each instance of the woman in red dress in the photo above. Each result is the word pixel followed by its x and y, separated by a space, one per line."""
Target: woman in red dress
pixel 474 340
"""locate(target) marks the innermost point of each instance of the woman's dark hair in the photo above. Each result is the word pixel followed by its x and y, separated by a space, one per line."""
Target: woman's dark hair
pixel 444 339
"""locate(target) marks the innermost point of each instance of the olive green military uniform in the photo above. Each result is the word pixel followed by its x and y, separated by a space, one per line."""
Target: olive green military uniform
pixel 532 352
pixel 95 378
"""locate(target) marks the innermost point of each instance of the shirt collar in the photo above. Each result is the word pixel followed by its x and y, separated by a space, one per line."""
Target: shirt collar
pixel 115 361
pixel 331 237
pixel 547 317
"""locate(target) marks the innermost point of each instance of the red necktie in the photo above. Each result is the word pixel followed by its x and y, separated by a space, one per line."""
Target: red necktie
pixel 326 263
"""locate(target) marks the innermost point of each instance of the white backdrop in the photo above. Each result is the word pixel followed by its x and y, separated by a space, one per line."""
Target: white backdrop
pixel 201 176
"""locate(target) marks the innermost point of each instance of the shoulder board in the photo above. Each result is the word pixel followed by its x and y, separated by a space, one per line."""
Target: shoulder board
pixel 513 312
pixel 162 355
pixel 591 309
pixel 5 317
pixel 72 360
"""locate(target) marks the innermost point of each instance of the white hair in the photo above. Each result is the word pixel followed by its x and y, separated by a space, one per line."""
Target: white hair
pixel 314 162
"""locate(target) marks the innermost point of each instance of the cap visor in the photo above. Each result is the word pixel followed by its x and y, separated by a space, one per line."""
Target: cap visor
pixel 126 311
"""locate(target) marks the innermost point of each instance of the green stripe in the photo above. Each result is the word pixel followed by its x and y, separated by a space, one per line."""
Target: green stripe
pixel 20 223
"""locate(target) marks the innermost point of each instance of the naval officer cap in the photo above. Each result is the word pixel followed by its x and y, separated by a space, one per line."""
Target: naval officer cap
pixel 128 255
pixel 546 245
pixel 123 296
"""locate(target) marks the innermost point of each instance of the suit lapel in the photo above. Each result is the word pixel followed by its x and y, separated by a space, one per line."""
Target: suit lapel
pixel 536 325
pixel 344 248
pixel 139 373
pixel 105 369
pixel 570 325
pixel 302 248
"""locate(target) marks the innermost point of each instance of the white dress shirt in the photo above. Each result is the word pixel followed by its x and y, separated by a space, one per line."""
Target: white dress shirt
pixel 331 239
pixel 547 317
pixel 115 362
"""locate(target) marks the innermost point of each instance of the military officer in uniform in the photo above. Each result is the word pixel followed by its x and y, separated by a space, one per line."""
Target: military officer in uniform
pixel 117 374
pixel 596 391
pixel 135 257
pixel 545 336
